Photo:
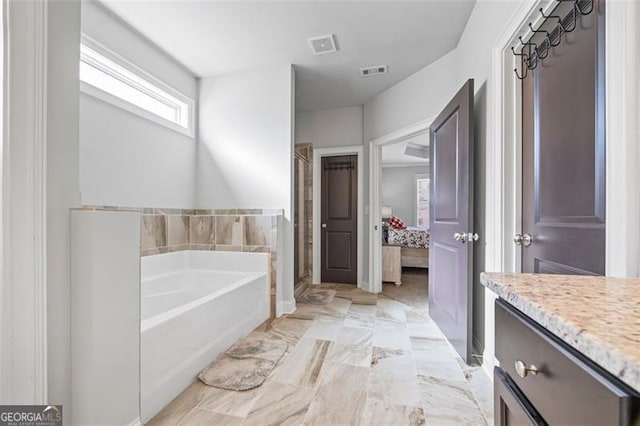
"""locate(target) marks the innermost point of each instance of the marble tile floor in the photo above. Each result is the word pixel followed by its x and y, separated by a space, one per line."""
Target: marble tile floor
pixel 362 359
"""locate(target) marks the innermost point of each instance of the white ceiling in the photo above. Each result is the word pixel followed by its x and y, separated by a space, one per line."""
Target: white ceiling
pixel 217 37
pixel 394 156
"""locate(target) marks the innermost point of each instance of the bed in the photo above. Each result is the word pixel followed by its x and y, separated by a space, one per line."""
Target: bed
pixel 414 243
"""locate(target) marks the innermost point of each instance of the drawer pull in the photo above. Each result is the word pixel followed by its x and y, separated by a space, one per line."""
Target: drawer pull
pixel 523 370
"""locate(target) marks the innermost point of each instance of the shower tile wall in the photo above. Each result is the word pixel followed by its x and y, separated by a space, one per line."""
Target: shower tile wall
pixel 306 152
pixel 247 230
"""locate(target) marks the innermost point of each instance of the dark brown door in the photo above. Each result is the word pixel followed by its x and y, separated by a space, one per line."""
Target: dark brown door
pixel 451 220
pixel 563 205
pixel 339 219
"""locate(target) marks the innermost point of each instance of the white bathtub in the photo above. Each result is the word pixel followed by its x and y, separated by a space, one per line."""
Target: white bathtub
pixel 194 305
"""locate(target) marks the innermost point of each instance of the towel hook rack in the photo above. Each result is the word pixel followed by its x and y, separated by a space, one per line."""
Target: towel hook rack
pixel 537 52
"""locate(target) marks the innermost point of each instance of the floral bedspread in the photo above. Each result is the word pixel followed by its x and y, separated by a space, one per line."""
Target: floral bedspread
pixel 411 237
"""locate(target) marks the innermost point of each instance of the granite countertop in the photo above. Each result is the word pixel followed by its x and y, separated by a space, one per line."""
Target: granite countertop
pixel 598 316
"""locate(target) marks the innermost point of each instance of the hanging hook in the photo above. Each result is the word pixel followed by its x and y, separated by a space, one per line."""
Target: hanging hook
pixel 582 12
pixel 528 43
pixel 575 18
pixel 553 16
pixel 538 53
pixel 524 59
pixel 539 30
pixel 549 16
pixel 561 22
pixel 532 63
pixel 515 70
pixel 549 36
pixel 523 56
pixel 558 38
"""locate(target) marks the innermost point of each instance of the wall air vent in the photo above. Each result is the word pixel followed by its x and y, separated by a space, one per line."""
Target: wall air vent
pixel 377 70
pixel 323 44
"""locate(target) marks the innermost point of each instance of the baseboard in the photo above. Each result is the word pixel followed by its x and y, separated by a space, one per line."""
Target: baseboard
pixel 363 285
pixel 136 422
pixel 288 306
pixel 488 363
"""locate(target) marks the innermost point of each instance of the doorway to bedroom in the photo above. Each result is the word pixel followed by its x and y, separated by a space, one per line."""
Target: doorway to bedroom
pixel 403 191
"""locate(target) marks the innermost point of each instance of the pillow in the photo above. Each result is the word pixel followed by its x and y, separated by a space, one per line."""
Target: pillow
pixel 396 222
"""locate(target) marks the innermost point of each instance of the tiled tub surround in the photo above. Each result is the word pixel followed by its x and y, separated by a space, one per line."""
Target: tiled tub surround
pixel 598 316
pixel 247 230
pixel 162 233
pixel 215 230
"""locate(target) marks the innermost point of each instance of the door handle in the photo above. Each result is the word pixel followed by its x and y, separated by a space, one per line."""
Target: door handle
pixel 466 236
pixel 324 225
pixel 523 239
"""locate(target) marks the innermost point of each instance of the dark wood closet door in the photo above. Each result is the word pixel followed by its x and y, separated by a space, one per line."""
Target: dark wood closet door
pixel 339 204
pixel 564 155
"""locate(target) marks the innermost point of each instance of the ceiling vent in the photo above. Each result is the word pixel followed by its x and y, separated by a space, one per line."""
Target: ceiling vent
pixel 377 70
pixel 323 44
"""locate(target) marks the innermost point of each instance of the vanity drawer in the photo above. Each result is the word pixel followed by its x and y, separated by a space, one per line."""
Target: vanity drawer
pixel 568 389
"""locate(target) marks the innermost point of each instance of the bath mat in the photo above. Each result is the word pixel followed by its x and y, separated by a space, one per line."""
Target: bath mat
pixel 237 374
pixel 316 296
pixel 246 365
pixel 261 346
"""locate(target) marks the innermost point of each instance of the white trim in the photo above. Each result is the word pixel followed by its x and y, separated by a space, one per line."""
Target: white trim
pixel 404 133
pixel 288 307
pixel 149 79
pixel 622 134
pixel 318 153
pixel 40 204
pixel 375 171
pixel 136 422
pixel 503 179
pixel 24 311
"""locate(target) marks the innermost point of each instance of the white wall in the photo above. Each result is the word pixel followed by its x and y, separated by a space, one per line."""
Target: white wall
pixel 330 127
pixel 420 96
pixel 127 160
pixel 398 187
pixel 245 148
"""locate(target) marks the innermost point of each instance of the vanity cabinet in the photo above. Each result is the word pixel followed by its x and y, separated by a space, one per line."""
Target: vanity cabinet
pixel 511 406
pixel 542 380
